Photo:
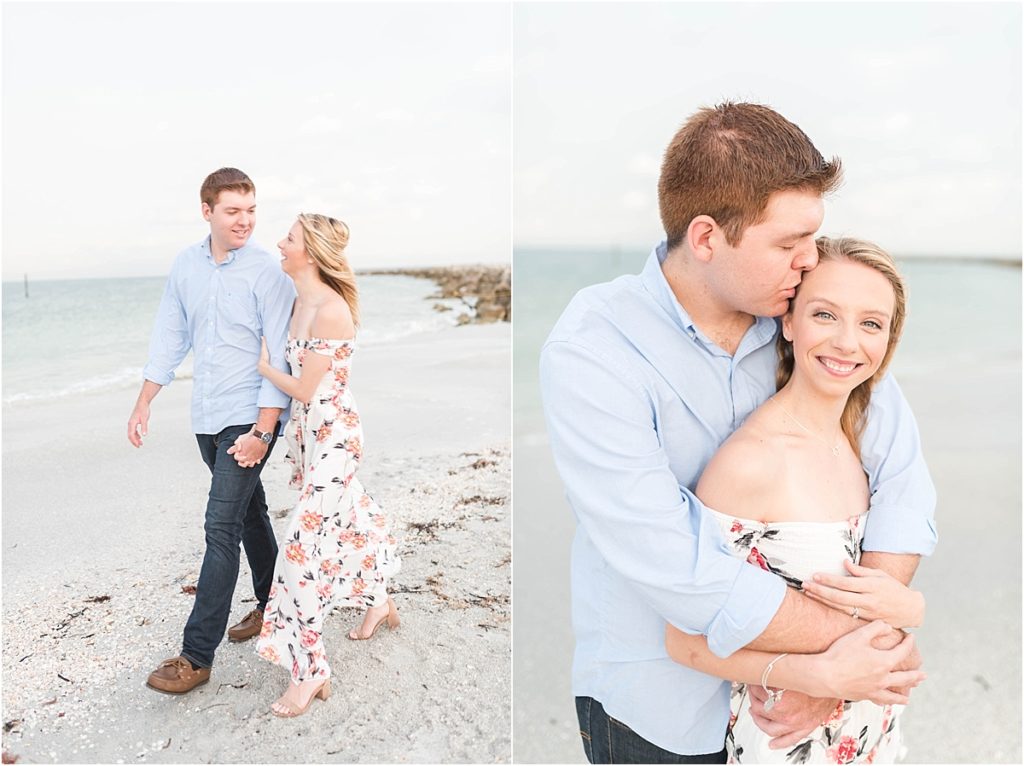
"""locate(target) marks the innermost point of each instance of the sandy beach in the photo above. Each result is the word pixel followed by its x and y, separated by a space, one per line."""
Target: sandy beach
pixel 101 543
pixel 965 394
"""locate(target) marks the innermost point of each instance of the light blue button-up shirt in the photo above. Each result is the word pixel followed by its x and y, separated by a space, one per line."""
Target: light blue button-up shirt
pixel 220 311
pixel 637 399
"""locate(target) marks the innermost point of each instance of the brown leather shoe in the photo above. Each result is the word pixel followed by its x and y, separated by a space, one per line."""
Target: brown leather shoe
pixel 175 676
pixel 250 626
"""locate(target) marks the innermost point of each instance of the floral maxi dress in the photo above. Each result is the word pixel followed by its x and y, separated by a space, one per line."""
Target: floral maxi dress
pixel 338 549
pixel 856 732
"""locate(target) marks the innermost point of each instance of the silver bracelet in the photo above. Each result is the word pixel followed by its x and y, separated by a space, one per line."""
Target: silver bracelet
pixel 773 696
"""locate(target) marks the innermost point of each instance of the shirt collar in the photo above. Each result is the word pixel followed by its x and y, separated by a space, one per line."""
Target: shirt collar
pixel 231 253
pixel 653 279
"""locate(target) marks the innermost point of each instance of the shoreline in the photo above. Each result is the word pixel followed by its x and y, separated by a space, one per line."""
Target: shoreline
pixel 91 610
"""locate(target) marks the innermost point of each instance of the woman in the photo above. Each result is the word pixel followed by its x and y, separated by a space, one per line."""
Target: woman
pixel 338 549
pixel 791 496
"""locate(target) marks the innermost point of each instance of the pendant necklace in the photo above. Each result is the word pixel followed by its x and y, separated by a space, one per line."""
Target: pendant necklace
pixel 834 449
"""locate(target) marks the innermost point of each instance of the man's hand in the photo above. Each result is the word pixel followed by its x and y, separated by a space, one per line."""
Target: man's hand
pixel 853 669
pixel 791 718
pixel 248 450
pixel 138 423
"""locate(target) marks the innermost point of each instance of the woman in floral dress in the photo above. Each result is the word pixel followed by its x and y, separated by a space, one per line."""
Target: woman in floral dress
pixel 338 549
pixel 790 495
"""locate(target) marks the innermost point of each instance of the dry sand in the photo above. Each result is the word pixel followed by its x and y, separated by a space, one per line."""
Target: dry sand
pixel 99 540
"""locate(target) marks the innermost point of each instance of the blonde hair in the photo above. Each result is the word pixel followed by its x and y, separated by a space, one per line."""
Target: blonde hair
pixel 325 239
pixel 854 417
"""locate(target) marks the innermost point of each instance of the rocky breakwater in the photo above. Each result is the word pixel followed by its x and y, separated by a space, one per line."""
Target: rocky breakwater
pixel 485 290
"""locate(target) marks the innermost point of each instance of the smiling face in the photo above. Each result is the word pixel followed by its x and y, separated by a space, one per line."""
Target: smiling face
pixel 840 325
pixel 760 274
pixel 232 218
pixel 294 258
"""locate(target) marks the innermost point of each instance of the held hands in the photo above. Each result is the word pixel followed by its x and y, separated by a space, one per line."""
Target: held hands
pixel 248 450
pixel 791 718
pixel 875 594
pixel 853 669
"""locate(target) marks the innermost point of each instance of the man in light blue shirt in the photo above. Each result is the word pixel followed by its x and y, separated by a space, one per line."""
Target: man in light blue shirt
pixel 642 379
pixel 222 296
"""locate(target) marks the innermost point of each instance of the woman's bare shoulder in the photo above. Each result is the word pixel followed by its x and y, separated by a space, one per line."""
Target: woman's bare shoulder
pixel 333 319
pixel 747 467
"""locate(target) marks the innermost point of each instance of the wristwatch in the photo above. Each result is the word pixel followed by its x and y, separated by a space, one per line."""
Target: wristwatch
pixel 264 436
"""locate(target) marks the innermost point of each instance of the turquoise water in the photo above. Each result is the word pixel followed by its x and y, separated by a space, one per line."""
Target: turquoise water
pixel 74 336
pixel 960 313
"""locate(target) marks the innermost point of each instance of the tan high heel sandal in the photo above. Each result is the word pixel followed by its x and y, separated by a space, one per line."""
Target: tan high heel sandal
pixel 391 618
pixel 323 693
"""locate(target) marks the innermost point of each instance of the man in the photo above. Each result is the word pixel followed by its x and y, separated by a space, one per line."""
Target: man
pixel 222 295
pixel 642 379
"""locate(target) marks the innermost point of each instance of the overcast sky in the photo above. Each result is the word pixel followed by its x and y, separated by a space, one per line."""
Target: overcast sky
pixel 921 101
pixel 394 117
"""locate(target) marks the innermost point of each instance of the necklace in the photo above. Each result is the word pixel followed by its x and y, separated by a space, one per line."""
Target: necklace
pixel 833 448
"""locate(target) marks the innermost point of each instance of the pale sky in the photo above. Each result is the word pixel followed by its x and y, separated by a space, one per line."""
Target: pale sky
pixel 921 101
pixel 393 117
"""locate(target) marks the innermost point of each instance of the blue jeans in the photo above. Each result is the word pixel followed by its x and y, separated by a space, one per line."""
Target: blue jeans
pixel 606 740
pixel 236 512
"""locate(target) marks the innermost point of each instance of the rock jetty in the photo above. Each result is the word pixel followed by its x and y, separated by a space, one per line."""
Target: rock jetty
pixel 486 290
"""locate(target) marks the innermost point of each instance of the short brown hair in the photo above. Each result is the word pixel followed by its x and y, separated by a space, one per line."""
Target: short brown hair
pixel 726 162
pixel 225 179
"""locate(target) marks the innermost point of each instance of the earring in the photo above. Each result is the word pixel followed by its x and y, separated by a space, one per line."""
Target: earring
pixel 309 260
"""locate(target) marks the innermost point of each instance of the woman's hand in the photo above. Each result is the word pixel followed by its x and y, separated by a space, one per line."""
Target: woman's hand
pixel 264 362
pixel 875 594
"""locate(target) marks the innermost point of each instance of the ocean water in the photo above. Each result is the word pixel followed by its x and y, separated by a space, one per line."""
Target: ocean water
pixel 960 313
pixel 75 336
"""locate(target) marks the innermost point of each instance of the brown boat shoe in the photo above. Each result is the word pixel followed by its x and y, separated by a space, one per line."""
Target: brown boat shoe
pixel 175 676
pixel 250 626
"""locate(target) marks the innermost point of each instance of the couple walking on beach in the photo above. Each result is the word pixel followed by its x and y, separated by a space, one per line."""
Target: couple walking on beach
pixel 248 318
pixel 725 427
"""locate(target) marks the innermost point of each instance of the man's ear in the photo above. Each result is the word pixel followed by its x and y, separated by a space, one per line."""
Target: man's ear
pixel 207 212
pixel 701 236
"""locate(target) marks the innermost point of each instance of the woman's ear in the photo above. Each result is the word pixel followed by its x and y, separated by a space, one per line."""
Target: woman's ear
pixel 787 326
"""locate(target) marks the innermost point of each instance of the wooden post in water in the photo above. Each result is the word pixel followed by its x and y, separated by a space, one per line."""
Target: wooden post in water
pixel 26 284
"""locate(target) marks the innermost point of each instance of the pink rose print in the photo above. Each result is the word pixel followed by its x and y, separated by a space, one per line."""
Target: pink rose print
pixel 325 590
pixel 269 653
pixel 323 433
pixel 358 585
pixel 369 562
pixel 309 638
pixel 267 630
pixel 364 501
pixel 756 558
pixel 351 419
pixel 295 554
pixel 844 751
pixel 736 526
pixel 311 521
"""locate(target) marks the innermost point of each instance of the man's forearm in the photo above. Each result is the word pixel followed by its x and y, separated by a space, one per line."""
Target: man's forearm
pixel 806 626
pixel 148 392
pixel 267 419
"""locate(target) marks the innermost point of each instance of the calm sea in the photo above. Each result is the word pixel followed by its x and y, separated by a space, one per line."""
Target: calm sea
pixel 960 313
pixel 75 336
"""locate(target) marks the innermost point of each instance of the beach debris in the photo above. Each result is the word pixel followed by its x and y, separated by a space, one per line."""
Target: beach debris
pixel 64 678
pixel 26 656
pixel 984 684
pixel 50 702
pixel 233 686
pixel 8 758
pixel 282 513
pixel 11 725
pixel 97 599
pixel 190 589
pixel 483 463
pixel 480 499
pixel 67 620
pixel 162 745
pixel 505 560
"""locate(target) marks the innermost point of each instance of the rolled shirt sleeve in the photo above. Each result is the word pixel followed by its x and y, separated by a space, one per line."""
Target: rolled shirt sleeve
pixel 170 341
pixel 902 493
pixel 654 533
pixel 275 309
